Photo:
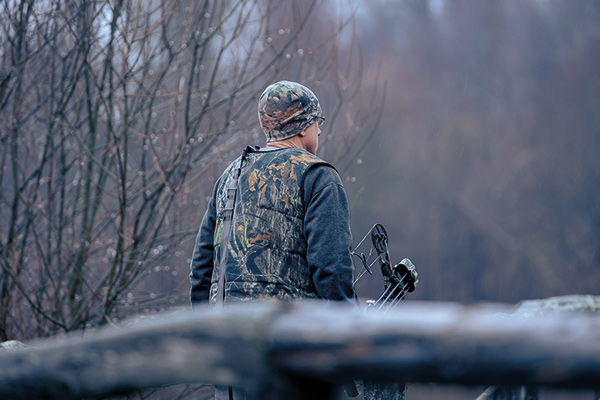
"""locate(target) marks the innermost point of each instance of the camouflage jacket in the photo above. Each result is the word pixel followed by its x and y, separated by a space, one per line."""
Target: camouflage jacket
pixel 290 232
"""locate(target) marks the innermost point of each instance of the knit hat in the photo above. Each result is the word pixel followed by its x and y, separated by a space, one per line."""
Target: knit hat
pixel 287 108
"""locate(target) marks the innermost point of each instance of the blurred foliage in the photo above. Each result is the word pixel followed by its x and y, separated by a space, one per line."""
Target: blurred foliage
pixel 485 170
pixel 478 153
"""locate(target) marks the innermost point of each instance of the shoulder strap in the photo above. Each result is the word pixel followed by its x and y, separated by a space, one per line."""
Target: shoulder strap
pixel 226 231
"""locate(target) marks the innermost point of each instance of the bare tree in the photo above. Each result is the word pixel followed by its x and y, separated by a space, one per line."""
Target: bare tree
pixel 113 115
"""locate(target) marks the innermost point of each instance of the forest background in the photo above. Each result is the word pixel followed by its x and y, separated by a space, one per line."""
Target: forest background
pixel 470 129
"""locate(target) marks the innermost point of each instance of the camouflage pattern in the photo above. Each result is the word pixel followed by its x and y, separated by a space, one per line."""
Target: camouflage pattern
pixel 286 109
pixel 374 390
pixel 267 249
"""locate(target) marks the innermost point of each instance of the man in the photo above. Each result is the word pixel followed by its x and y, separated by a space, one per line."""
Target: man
pixel 289 234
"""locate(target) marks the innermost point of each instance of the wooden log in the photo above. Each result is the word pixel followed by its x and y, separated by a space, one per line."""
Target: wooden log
pixel 536 308
pixel 254 345
pixel 444 343
pixel 182 347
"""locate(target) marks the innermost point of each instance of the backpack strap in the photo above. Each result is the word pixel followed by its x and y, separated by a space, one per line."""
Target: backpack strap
pixel 226 232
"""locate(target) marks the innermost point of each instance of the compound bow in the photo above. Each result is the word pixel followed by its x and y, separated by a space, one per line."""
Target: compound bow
pixel 398 280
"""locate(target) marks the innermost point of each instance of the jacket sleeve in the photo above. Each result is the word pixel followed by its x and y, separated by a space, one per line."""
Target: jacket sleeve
pixel 328 235
pixel 203 256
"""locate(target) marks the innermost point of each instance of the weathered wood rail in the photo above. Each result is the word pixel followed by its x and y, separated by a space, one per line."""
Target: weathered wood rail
pixel 276 349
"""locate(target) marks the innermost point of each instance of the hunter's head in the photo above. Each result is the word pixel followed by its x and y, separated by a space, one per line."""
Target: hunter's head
pixel 289 110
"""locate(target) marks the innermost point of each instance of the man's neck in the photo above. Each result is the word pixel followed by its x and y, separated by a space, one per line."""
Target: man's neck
pixel 286 143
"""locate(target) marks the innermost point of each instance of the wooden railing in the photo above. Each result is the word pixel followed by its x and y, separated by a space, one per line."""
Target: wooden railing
pixel 308 350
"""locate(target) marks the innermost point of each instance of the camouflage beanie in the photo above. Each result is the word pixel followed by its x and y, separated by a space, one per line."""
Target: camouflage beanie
pixel 287 108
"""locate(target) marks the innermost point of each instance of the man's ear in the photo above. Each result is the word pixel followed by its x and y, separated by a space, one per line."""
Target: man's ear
pixel 303 133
